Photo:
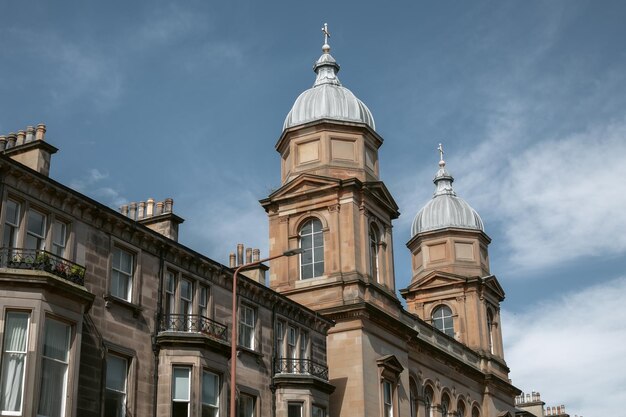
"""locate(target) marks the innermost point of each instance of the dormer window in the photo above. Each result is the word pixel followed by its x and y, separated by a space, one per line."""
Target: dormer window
pixel 442 320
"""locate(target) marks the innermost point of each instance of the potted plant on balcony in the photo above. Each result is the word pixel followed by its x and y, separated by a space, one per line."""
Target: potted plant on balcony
pixel 76 273
pixel 43 262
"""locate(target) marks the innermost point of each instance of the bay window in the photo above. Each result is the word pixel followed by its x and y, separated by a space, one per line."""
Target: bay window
pixel 55 363
pixel 14 348
pixel 181 380
pixel 210 394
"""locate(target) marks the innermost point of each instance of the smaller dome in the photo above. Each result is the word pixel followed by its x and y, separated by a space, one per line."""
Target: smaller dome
pixel 445 209
pixel 328 99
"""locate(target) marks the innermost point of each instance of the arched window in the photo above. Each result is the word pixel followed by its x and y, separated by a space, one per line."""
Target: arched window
pixel 460 409
pixel 374 249
pixel 475 412
pixel 312 244
pixel 428 401
pixel 490 329
pixel 445 405
pixel 442 320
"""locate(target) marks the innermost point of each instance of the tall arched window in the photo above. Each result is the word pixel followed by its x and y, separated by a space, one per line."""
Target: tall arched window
pixel 312 244
pixel 428 401
pixel 442 320
pixel 475 412
pixel 490 329
pixel 445 405
pixel 374 249
pixel 460 409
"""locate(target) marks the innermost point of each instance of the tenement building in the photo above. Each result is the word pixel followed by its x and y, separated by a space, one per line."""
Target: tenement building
pixel 104 313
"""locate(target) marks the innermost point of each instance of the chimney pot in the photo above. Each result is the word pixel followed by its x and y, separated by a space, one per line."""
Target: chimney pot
pixel 248 255
pixel 11 138
pixel 132 212
pixel 41 131
pixel 141 210
pixel 239 254
pixel 3 142
pixel 256 255
pixel 231 260
pixel 124 210
pixel 21 135
pixel 30 134
pixel 169 205
pixel 159 208
pixel 150 207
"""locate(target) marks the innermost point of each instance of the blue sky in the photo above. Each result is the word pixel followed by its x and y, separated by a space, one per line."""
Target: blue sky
pixel 187 99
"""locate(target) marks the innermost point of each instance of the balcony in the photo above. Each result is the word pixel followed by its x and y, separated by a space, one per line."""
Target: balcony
pixel 300 367
pixel 193 323
pixel 41 260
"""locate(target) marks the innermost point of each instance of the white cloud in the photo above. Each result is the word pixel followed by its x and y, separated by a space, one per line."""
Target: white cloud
pixel 571 349
pixel 89 184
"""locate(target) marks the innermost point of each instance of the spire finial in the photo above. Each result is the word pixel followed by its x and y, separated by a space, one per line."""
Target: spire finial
pixel 441 161
pixel 326 47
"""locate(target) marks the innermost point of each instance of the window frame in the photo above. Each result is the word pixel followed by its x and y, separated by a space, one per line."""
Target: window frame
pixel 54 244
pixel 68 366
pixel 5 360
pixel 252 326
pixel 388 389
pixel 299 405
pixel 127 363
pixel 321 410
pixel 374 238
pixel 215 408
pixel 448 330
pixel 252 402
pixel 302 237
pixel 189 369
pixel 13 227
pixel 131 276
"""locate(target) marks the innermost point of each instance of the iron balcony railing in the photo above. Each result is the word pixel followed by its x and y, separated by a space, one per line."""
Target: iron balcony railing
pixel 41 260
pixel 300 367
pixel 193 323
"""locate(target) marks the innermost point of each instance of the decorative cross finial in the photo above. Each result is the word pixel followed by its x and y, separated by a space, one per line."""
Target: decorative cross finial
pixel 326 33
pixel 440 149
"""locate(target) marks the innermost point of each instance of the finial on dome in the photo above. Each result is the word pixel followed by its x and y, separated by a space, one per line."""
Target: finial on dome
pixel 326 46
pixel 442 163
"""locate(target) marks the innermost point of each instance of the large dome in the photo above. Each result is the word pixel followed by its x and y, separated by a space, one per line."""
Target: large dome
pixel 328 99
pixel 445 209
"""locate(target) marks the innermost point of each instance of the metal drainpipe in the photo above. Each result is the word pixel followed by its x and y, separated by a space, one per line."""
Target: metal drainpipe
pixel 155 347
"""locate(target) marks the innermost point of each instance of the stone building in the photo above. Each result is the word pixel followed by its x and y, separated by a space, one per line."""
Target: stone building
pixel 104 313
pixel 442 355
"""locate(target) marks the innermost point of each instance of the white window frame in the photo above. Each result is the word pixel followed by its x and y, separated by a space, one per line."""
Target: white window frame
pixel 441 318
pixel 124 391
pixel 5 362
pixel 298 405
pixel 59 247
pixel 247 320
pixel 128 275
pixel 203 301
pixel 40 238
pixel 185 303
pixel 374 239
pixel 315 260
pixel 57 361
pixel 186 400
pixel 11 225
pixel 213 408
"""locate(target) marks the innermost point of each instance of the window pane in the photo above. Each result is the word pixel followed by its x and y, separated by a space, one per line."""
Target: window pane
pixel 36 223
pixel 14 360
pixel 180 409
pixel 294 410
pixel 13 211
pixel 210 388
pixel 318 411
pixel 57 340
pixel 307 271
pixel 318 254
pixel 54 369
pixel 318 239
pixel 180 384
pixel 114 404
pixel 307 242
pixel 306 229
pixel 319 269
pixel 116 373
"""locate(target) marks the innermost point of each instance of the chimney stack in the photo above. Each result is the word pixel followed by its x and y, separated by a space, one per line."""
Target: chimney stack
pixel 257 272
pixel 161 220
pixel 29 148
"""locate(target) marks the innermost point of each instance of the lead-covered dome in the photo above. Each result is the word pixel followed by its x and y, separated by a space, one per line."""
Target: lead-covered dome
pixel 328 99
pixel 445 209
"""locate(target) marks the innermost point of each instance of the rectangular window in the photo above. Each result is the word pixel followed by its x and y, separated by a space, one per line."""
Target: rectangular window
pixel 210 394
pixel 387 399
pixel 279 336
pixel 35 230
pixel 170 301
pixel 292 352
pixel 115 395
pixel 185 303
pixel 317 411
pixel 246 406
pixel 203 302
pixel 11 223
pixel 181 379
pixel 55 362
pixel 59 238
pixel 122 274
pixel 14 361
pixel 304 352
pixel 247 325
pixel 294 410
